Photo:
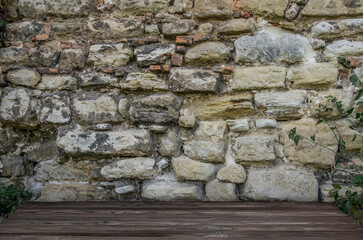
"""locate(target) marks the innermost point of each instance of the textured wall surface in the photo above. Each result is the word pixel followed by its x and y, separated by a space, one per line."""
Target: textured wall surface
pixel 176 99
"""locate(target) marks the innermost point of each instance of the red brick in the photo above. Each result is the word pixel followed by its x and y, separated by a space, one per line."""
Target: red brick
pixel 149 17
pixel 181 49
pixel 236 4
pixel 355 61
pixel 42 37
pixel 223 70
pixel 53 70
pixel 199 38
pixel 184 40
pixel 151 40
pixel 100 3
pixel 177 59
pixel 155 68
pixel 166 68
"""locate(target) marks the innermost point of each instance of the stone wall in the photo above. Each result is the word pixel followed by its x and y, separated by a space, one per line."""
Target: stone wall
pixel 175 99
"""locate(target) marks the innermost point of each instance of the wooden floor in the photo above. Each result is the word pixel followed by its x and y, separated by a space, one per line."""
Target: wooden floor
pixel 178 220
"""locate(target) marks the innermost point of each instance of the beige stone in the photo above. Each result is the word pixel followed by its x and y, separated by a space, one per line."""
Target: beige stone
pixel 234 173
pixel 332 8
pixel 220 191
pixel 237 26
pixel 338 28
pixel 259 77
pixel 343 48
pixel 265 8
pixel 146 81
pixel 126 8
pixel 327 187
pixel 109 55
pixel 92 79
pixel 219 9
pixel 57 82
pixel 55 108
pixel 347 133
pixel 207 53
pixel 188 169
pixel 170 143
pixel 24 77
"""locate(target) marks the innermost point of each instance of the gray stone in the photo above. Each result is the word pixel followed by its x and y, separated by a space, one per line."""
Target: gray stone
pixel 158 128
pixel 95 79
pixel 67 30
pixel 12 166
pixel 13 56
pixel 73 59
pixel 102 127
pixel 23 31
pixel 220 191
pixel 240 125
pixel 153 54
pixel 237 26
pixel 134 168
pixel 343 48
pixel 47 56
pixel 284 183
pixel 57 82
pixel 95 108
pixel 152 30
pixel 181 6
pixel 293 11
pixel 163 164
pixel 24 77
pixel 270 9
pixel 193 80
pixel 187 121
pixel 207 53
pixel 170 143
pixel 282 105
pixel 331 8
pixel 42 152
pixel 144 81
pixel 109 55
pixel 266 123
pixel 188 169
pixel 234 173
pixel 337 28
pixel 123 107
pixel 124 189
pixel 132 142
pixel 180 27
pixel 217 9
pixel 126 8
pixel 55 109
pixel 160 108
pixel 205 29
pixel 254 150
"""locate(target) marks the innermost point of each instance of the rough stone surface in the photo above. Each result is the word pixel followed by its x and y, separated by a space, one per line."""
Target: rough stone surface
pixel 144 81
pixel 259 78
pixel 284 183
pixel 42 152
pixel 240 125
pixel 193 80
pixel 220 9
pixel 47 56
pixel 337 28
pixel 23 31
pixel 24 77
pixel 234 173
pixel 170 143
pixel 188 169
pixel 73 59
pixel 180 27
pixel 55 109
pixel 13 55
pixel 125 8
pixel 266 123
pixel 207 53
pixel 265 8
pixel 343 48
pixel 109 55
pixel 332 8
pixel 153 54
pixel 131 142
pixel 220 191
pixel 98 80
pixel 237 26
pixel 12 166
pixel 181 6
pixel 57 82
pixel 347 133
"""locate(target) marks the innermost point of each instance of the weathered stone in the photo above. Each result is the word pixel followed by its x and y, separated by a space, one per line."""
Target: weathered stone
pixel 337 28
pixel 332 8
pixel 306 152
pixel 187 121
pixel 124 189
pixel 282 105
pixel 327 187
pixel 55 109
pixel 17 107
pixel 139 168
pixel 348 133
pixel 143 81
pixel 220 107
pixel 170 143
pixel 313 76
pixel 60 8
pixel 188 169
pixel 165 18
pixel 46 56
pixel 180 27
pixel 193 80
pixel 181 6
pixel 58 82
pixel 13 56
pixel 95 108
pixel 265 8
pixel 42 152
pixel 126 8
pixel 153 54
pixel 266 123
pixel 208 143
pixel 161 108
pixel 237 26
pixel 24 77
pixel 240 125
pixel 259 77
pixel 102 127
pixel 293 11
pixel 67 30
pixel 220 191
pixel 207 53
pixel 205 29
pixel 93 79
pixel 163 164
pixel 269 47
pixel 317 44
pixel 166 188
pixel 23 31
pixel 130 142
pixel 284 183
pixel 343 48
pixel 219 9
pixel 123 107
pixel 109 55
pixel 254 150
pixel 234 173
pixel 152 30
pixel 158 128
pixel 113 29
pixel 73 59
pixel 12 166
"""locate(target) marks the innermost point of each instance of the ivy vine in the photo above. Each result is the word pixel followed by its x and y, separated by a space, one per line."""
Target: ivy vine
pixel 3 15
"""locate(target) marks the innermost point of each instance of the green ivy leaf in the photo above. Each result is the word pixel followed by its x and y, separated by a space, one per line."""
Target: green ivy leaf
pixel 360 94
pixel 353 79
pixel 360 103
pixel 297 139
pixel 312 138
pixel 354 137
pixel 320 121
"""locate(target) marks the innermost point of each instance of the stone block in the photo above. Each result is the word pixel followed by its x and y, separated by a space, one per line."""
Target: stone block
pixel 143 81
pixel 47 56
pixel 218 9
pixel 343 48
pixel 220 191
pixel 240 125
pixel 24 77
pixel 234 173
pixel 96 79
pixel 237 26
pixel 55 109
pixel 153 54
pixel 207 53
pixel 332 8
pixel 170 144
pixel 102 55
pixel 179 27
pixel 12 166
pixel 126 8
pixel 270 9
pixel 337 28
pixel 188 169
pixel 23 31
pixel 57 82
pixel 14 56
pixel 73 59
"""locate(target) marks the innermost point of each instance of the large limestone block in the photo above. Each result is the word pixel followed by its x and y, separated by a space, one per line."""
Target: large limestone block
pixel 306 152
pixel 23 31
pixel 109 55
pixel 132 142
pixel 170 144
pixel 239 125
pixel 57 82
pixel 273 47
pixel 180 27
pixel 220 191
pixel 181 6
pixel 207 53
pixel 282 105
pixel 265 8
pixel 219 9
pixel 159 108
pixel 348 133
pixel 134 168
pixel 73 59
pixel 63 31
pixel 193 80
pixel 254 150
pixel 284 183
pixel 237 26
pixel 188 169
pixel 208 143
pixel 97 79
pixel 258 77
pixel 333 8
pixel 343 48
pixel 313 76
pixel 233 173
pixel 126 8
pixel 47 56
pixel 223 107
pixel 337 28
pixel 95 108
pixel 144 81
pixel 13 56
pixel 55 108
pixel 153 53
pixel 24 77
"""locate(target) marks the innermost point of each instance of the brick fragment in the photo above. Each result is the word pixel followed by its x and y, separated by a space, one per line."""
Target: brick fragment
pixel 200 38
pixel 53 71
pixel 149 17
pixel 42 37
pixel 166 68
pixel 355 61
pixel 177 59
pixel 184 40
pixel 180 49
pixel 223 70
pixel 149 40
pixel 155 68
pixel 66 45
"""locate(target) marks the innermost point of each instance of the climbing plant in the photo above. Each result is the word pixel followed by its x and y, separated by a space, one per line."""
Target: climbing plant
pixel 2 21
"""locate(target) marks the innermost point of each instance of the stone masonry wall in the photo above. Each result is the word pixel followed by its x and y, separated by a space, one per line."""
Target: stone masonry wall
pixel 175 99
